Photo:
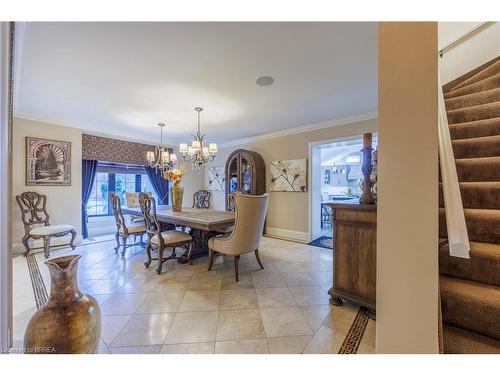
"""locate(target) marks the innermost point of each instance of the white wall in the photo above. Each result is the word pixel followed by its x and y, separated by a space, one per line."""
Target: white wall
pixel 63 202
pixel 407 209
pixel 476 51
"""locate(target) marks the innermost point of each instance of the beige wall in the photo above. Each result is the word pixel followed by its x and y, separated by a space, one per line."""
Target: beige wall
pixel 63 202
pixel 407 220
pixel 288 214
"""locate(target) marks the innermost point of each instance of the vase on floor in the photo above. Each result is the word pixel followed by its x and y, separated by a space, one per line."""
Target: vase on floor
pixel 70 322
pixel 176 193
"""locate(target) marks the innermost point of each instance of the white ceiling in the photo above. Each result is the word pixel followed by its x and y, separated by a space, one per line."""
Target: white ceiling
pixel 124 78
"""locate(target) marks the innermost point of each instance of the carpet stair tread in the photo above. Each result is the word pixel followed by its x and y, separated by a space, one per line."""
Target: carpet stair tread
pixel 483 85
pixel 478 169
pixel 470 305
pixel 477 195
pixel 459 341
pixel 477 147
pixel 475 129
pixel 487 72
pixel 482 225
pixel 483 265
pixel 474 113
pixel 470 100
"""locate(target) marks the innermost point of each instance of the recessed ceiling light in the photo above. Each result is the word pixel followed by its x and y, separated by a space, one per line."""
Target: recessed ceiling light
pixel 265 81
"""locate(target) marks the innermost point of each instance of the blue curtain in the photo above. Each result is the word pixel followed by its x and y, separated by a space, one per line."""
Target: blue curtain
pixel 159 184
pixel 89 169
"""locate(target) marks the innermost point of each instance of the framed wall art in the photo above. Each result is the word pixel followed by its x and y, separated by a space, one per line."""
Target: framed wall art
pixel 48 162
pixel 289 175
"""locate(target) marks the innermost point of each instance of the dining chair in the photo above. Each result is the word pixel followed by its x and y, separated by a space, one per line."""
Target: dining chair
pixel 159 240
pixel 249 223
pixel 132 200
pixel 34 212
pixel 123 229
pixel 201 199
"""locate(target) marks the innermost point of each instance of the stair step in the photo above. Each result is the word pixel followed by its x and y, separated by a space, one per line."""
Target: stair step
pixel 459 341
pixel 477 195
pixel 482 97
pixel 470 305
pixel 483 85
pixel 474 113
pixel 483 265
pixel 482 225
pixel 482 147
pixel 475 129
pixel 478 169
pixel 489 71
pixel 454 83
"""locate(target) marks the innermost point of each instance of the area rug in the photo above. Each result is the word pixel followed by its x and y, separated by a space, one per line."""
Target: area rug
pixel 323 241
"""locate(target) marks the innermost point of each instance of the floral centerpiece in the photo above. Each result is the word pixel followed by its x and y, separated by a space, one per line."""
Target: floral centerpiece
pixel 176 191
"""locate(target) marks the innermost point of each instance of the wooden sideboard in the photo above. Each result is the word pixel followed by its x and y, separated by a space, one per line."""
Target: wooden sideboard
pixel 355 254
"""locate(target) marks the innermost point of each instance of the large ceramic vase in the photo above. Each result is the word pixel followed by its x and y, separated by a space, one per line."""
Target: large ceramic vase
pixel 176 193
pixel 70 322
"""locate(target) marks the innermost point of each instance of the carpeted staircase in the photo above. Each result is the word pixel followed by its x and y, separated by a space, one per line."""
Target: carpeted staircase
pixel 470 288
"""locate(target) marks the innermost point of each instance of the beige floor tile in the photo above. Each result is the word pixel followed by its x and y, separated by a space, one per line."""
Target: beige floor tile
pixel 239 325
pixel 152 349
pixel 316 266
pixel 315 315
pixel 325 341
pixel 268 280
pixel 155 303
pixel 144 330
pixel 106 286
pixel 298 279
pixel 286 321
pixel 322 278
pixel 189 327
pixel 194 348
pixel 288 345
pixel 309 295
pixel 255 346
pixel 238 299
pixel 275 297
pixel 200 300
pixel 340 318
pixel 111 326
pixel 101 298
pixel 20 322
pixel 288 267
pixel 102 349
pixel 365 349
pixel 205 281
pixel 369 334
pixel 245 282
pixel 122 304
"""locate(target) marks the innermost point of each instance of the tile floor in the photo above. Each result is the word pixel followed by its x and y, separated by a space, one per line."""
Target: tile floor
pixel 281 309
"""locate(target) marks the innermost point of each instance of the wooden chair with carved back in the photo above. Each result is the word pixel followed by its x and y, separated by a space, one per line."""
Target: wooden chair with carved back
pixel 201 199
pixel 35 218
pixel 123 229
pixel 159 240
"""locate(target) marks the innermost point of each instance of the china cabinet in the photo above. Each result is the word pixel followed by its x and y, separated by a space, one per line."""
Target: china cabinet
pixel 246 173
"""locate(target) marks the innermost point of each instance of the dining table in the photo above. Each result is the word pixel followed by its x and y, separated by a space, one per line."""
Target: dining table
pixel 202 223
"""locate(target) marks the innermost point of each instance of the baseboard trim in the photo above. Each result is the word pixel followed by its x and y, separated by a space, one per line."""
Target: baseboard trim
pixel 37 245
pixel 285 234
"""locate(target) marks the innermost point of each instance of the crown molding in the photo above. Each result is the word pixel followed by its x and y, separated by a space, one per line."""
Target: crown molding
pixel 90 129
pixel 303 129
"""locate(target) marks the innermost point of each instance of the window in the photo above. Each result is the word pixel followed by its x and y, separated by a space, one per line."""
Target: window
pixel 119 179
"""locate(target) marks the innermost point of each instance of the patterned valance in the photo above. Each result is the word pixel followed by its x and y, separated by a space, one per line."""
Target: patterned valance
pixel 114 150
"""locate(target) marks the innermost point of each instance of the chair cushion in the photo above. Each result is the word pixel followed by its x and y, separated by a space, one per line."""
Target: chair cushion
pixel 135 228
pixel 50 230
pixel 172 236
pixel 136 219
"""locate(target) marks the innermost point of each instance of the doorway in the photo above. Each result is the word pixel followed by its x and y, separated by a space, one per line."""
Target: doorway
pixel 335 178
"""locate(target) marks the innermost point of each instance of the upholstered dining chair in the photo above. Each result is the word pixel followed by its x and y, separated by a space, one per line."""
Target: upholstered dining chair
pixel 201 199
pixel 250 217
pixel 159 240
pixel 34 212
pixel 132 200
pixel 123 229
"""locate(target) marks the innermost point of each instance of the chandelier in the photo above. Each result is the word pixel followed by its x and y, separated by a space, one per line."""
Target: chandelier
pixel 198 154
pixel 160 158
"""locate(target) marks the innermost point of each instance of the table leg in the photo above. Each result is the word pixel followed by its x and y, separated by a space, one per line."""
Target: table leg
pixel 200 244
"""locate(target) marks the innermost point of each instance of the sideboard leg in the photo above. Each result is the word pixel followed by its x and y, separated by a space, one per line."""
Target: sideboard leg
pixel 336 301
